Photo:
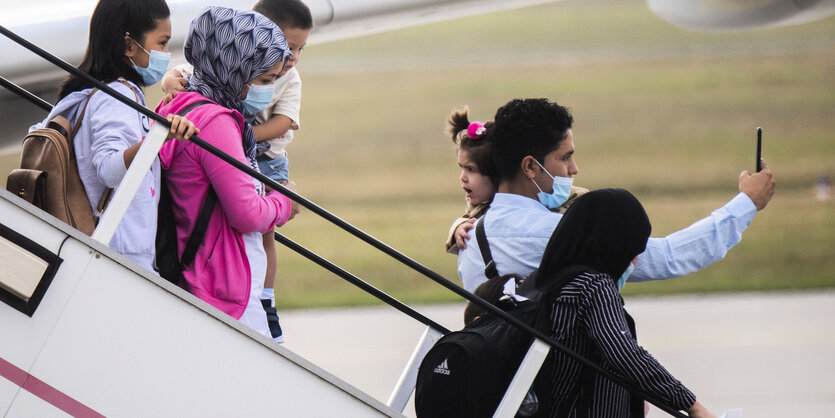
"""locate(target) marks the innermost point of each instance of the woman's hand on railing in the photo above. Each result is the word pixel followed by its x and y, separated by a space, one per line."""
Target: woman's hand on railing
pixel 181 128
pixel 294 206
pixel 698 410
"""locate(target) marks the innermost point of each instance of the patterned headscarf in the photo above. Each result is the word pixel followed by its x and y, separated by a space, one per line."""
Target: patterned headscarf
pixel 228 48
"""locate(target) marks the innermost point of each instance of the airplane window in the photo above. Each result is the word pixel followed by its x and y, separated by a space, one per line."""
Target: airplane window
pixel 26 270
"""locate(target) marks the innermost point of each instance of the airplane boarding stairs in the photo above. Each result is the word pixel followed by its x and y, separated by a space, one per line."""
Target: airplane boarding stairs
pixel 111 338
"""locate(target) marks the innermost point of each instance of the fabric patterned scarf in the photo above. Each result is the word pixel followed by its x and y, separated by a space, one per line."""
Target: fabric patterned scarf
pixel 228 48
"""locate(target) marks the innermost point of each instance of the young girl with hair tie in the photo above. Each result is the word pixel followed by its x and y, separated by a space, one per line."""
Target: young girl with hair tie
pixel 479 177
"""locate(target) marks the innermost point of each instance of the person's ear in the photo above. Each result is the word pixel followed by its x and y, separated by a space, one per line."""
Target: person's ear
pixel 130 47
pixel 529 166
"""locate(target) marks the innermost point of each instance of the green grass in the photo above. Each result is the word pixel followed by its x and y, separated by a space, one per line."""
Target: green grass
pixel 665 113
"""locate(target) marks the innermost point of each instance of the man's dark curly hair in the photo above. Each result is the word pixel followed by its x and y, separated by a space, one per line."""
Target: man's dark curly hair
pixel 524 127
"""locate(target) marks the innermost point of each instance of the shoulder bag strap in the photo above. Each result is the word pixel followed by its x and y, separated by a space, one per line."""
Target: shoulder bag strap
pixel 202 222
pixel 84 109
pixel 481 237
pixel 199 231
pixel 80 118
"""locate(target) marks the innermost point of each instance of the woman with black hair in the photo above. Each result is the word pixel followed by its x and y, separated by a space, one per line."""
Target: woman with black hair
pixel 127 50
pixel 594 248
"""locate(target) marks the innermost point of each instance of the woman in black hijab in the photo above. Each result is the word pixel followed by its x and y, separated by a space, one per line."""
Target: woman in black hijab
pixel 599 237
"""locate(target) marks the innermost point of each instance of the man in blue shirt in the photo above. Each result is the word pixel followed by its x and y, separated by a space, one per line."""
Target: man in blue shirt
pixel 533 148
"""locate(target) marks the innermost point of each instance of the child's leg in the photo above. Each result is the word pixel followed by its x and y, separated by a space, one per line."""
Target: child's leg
pixel 269 248
pixel 276 170
pixel 268 294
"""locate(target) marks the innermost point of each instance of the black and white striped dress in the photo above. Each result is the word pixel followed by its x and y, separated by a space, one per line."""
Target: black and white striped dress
pixel 588 318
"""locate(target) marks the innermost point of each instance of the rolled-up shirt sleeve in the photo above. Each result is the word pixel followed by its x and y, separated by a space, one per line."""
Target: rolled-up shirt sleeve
pixel 696 246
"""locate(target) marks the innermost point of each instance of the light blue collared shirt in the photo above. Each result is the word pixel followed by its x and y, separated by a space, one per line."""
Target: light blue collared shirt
pixel 518 229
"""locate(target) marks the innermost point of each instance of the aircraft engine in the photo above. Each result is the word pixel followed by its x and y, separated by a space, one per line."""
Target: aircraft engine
pixel 739 15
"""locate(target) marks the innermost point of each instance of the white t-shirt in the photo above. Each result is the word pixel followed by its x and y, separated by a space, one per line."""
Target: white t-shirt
pixel 287 99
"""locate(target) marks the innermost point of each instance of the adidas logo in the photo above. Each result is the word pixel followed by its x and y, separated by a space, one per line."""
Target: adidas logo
pixel 442 368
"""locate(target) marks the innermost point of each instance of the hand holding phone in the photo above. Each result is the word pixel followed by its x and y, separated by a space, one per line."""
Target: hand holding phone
pixel 758 187
pixel 759 149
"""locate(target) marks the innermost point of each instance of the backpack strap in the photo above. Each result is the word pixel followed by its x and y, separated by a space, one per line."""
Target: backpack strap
pixel 103 201
pixel 202 222
pixel 484 247
pixel 80 118
pixel 108 192
pixel 84 110
pixel 192 106
pixel 199 231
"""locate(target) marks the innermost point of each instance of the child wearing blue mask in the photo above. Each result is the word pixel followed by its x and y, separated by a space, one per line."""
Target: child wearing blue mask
pixel 127 50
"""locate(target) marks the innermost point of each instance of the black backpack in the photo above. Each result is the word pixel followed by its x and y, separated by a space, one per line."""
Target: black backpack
pixel 168 262
pixel 466 373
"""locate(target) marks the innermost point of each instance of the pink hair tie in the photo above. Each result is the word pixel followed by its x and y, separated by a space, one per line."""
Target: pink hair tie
pixel 476 130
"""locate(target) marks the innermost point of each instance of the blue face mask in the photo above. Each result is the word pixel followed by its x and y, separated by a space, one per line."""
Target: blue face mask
pixel 157 64
pixel 622 281
pixel 257 98
pixel 562 189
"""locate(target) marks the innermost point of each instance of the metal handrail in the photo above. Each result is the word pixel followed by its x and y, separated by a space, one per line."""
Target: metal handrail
pixel 356 281
pixel 20 91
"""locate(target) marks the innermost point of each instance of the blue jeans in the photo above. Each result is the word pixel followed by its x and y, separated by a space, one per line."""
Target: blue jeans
pixel 277 169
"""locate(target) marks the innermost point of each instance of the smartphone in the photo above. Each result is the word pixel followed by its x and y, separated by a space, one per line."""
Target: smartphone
pixel 759 149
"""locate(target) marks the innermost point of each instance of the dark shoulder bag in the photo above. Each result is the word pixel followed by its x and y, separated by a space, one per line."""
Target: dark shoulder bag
pixel 168 262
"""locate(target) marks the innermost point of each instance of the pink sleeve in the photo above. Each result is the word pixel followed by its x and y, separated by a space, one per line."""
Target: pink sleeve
pixel 245 210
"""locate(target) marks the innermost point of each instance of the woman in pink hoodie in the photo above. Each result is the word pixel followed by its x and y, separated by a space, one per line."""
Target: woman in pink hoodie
pixel 237 55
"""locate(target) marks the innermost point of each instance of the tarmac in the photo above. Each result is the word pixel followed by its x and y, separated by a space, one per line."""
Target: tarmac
pixel 771 354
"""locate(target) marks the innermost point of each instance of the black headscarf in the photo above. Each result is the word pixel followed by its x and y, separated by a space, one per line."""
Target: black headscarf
pixel 604 229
